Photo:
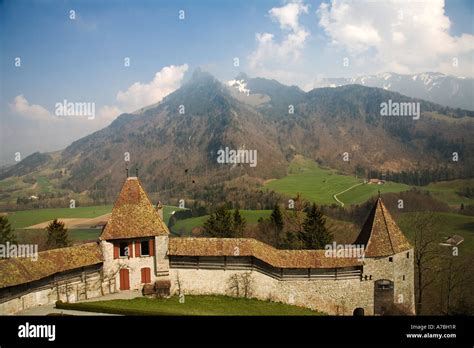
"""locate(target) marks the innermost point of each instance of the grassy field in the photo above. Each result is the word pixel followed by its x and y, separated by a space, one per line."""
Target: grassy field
pixel 75 235
pixel 449 224
pixel 446 191
pixel 363 192
pixel 320 185
pixel 314 183
pixel 184 227
pixel 193 305
pixel 25 218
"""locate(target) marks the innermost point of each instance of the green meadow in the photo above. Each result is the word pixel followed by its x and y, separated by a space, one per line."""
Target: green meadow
pixel 24 218
pixel 321 184
pixel 449 224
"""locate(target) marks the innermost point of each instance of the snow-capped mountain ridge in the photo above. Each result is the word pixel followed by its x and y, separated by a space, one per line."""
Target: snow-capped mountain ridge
pixel 457 92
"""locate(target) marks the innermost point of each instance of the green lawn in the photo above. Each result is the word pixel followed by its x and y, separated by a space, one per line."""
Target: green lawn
pixel 193 305
pixel 25 218
pixel 184 227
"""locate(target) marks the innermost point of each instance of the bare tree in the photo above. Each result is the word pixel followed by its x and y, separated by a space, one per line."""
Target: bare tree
pixel 454 272
pixel 241 284
pixel 247 284
pixel 178 281
pixel 426 252
pixel 234 285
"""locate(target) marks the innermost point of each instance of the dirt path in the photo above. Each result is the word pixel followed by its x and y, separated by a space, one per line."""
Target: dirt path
pixel 337 194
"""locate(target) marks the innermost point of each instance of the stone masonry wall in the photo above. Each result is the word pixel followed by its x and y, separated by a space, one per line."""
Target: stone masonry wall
pixel 400 271
pixel 336 297
pixel 66 290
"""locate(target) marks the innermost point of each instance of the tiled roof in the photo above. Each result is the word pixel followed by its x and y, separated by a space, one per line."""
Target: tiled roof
pixel 133 215
pixel 251 247
pixel 17 270
pixel 380 234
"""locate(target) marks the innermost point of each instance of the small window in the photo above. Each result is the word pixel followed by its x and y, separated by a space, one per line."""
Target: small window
pixel 384 284
pixel 370 277
pixel 390 259
pixel 408 255
pixel 145 248
pixel 403 277
pixel 124 252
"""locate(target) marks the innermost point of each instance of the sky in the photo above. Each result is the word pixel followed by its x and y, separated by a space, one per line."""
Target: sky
pixel 120 56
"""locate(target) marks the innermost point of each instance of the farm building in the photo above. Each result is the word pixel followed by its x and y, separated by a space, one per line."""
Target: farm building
pixel 135 251
pixel 376 181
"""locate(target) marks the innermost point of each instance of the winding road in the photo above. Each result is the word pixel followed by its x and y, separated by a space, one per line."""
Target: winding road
pixel 350 188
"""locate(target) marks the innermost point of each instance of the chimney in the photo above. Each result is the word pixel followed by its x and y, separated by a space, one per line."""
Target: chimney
pixel 159 209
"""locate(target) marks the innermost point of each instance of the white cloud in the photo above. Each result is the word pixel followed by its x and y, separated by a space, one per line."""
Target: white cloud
pixel 22 107
pixel 107 113
pixel 399 35
pixel 139 95
pixel 272 57
pixel 287 16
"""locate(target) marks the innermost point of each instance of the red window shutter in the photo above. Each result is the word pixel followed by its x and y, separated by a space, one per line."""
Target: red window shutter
pixel 146 276
pixel 152 247
pixel 130 249
pixel 116 251
pixel 137 248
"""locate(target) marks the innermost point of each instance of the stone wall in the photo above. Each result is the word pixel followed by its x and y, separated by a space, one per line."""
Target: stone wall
pixel 68 287
pixel 336 297
pixel 332 296
pixel 400 271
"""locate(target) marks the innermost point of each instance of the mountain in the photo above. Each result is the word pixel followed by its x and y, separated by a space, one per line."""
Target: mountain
pixel 443 89
pixel 175 143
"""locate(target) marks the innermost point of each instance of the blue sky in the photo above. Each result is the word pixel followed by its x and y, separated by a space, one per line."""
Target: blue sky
pixel 83 59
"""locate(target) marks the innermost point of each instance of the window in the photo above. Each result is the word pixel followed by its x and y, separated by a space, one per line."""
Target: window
pixel 145 248
pixel 384 284
pixel 390 259
pixel 408 255
pixel 403 277
pixel 124 251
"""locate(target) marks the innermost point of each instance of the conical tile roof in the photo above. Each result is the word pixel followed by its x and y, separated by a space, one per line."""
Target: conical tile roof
pixel 133 215
pixel 380 233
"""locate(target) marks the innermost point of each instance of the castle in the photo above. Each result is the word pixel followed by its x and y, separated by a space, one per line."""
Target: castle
pixel 135 249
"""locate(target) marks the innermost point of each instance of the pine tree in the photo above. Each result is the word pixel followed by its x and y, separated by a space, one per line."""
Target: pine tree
pixel 238 224
pixel 315 235
pixel 57 235
pixel 6 231
pixel 276 219
pixel 219 224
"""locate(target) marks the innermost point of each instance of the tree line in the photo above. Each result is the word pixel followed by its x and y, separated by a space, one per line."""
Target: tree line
pixel 303 227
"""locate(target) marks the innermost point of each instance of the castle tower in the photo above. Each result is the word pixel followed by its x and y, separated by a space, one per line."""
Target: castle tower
pixel 389 261
pixel 134 242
